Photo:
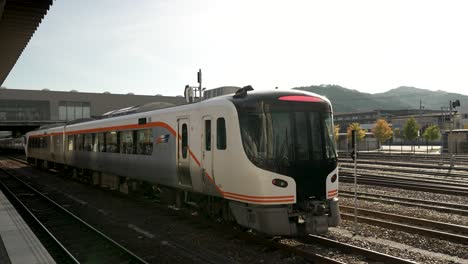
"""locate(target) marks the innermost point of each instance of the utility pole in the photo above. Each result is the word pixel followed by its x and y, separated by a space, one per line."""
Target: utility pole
pixel 354 157
pixel 450 140
pixel 420 118
pixel 199 79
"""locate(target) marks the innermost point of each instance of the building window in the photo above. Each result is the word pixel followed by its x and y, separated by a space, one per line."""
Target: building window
pixel 27 110
pixel 74 110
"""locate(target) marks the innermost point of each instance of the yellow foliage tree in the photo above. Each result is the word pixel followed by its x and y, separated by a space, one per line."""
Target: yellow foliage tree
pixel 382 131
pixel 337 132
pixel 360 133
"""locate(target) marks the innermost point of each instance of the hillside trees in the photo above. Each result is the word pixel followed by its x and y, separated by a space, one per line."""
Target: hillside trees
pixel 382 131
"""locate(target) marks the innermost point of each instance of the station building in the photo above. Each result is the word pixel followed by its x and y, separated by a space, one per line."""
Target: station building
pixel 397 119
pixel 25 110
pixel 368 119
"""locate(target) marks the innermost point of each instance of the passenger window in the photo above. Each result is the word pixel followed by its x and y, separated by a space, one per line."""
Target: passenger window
pixel 184 141
pixel 144 142
pixel 88 142
pixel 79 142
pixel 208 135
pixel 112 144
pixel 126 142
pixel 100 143
pixel 71 143
pixel 221 133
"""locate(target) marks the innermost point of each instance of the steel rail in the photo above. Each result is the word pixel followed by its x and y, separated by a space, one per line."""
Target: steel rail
pixel 408 169
pixel 409 228
pixel 431 205
pixel 457 229
pixel 408 164
pixel 404 184
pixel 27 214
pixel 371 254
pixel 410 177
pixel 134 258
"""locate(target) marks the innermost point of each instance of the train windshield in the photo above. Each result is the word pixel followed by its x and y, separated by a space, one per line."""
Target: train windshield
pixel 281 134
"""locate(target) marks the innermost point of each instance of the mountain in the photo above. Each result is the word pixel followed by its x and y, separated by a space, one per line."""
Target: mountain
pixel 347 100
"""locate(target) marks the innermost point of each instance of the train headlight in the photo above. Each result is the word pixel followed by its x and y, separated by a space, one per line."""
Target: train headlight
pixel 280 183
pixel 333 178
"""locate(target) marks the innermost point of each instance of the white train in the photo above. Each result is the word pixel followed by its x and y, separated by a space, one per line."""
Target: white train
pixel 11 144
pixel 264 159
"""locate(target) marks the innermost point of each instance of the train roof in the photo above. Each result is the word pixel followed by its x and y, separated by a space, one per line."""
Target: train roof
pixel 250 95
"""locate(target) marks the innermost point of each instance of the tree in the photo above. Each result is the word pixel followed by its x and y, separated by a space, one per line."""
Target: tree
pixel 360 133
pixel 397 133
pixel 382 131
pixel 337 132
pixel 410 129
pixel 431 133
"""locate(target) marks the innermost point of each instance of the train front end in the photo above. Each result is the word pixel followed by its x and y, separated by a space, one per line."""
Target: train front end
pixel 292 134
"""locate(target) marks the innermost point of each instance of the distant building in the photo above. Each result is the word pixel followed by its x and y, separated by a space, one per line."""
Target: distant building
pixel 463 110
pixel 368 119
pixel 24 110
pixel 457 142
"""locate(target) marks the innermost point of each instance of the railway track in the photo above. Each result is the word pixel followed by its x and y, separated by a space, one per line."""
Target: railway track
pixel 414 176
pixel 435 229
pixel 319 241
pixel 70 239
pixel 404 183
pixel 407 169
pixel 445 207
pixel 420 158
pixel 345 248
pixel 434 165
pixel 370 255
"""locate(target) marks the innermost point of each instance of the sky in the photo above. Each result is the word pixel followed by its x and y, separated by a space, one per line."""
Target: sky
pixel 157 46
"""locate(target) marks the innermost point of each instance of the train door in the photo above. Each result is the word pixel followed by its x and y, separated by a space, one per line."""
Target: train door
pixel 207 148
pixel 183 156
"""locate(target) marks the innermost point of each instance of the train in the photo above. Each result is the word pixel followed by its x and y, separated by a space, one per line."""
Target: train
pixel 264 159
pixel 12 145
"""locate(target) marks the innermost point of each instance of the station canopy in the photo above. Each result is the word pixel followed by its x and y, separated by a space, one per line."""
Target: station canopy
pixel 19 19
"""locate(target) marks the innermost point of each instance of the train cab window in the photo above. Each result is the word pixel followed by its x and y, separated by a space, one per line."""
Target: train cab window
pixel 126 142
pixel 208 135
pixel 112 142
pixel 302 145
pixel 88 142
pixel 220 133
pixel 144 142
pixel 71 142
pixel 79 142
pixel 184 141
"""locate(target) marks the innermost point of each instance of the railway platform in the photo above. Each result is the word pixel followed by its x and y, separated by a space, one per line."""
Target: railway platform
pixel 18 244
